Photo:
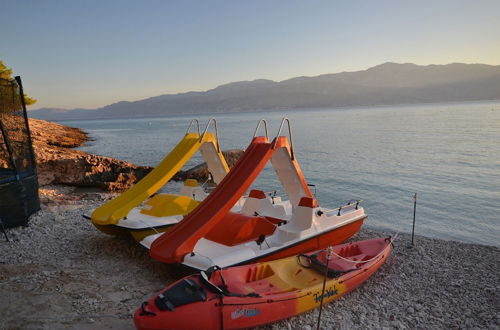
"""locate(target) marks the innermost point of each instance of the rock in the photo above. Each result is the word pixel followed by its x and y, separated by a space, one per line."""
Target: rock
pixel 90 171
pixel 57 163
pixel 56 135
pixel 200 172
pixel 232 156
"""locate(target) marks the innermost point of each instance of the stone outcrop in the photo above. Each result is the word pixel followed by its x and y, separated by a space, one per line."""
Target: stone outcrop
pixel 57 163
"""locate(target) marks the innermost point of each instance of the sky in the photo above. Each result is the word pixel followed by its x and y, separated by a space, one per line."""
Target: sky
pixel 87 54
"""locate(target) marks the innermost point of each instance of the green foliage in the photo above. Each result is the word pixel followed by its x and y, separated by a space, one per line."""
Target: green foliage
pixel 6 73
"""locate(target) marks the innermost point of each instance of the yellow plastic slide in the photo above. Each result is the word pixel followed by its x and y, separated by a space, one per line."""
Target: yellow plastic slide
pixel 118 208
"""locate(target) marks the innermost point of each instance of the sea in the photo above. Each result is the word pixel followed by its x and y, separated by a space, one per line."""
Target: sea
pixel 446 154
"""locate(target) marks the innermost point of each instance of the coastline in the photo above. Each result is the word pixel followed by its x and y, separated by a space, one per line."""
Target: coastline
pixel 494 102
pixel 60 272
pixel 59 163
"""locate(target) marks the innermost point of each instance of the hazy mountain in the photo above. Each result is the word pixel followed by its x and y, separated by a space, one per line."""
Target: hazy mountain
pixel 385 84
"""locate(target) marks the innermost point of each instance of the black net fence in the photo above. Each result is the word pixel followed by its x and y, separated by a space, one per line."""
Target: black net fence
pixel 18 179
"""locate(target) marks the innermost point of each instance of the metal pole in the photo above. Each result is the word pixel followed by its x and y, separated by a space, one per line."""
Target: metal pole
pixel 414 213
pixel 26 121
pixel 328 256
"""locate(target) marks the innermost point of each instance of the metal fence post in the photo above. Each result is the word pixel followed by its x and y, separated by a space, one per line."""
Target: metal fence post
pixel 414 213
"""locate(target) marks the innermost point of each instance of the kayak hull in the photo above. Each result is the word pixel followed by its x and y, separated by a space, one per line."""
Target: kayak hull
pixel 285 289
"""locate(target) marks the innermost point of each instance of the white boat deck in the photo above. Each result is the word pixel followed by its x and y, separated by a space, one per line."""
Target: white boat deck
pixel 209 253
pixel 137 220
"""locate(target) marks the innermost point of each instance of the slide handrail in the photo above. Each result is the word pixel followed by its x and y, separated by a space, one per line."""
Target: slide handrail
pixel 289 136
pixel 191 124
pixel 216 132
pixel 265 128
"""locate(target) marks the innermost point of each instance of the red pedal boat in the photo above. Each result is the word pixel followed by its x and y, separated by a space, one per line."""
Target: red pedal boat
pixel 264 230
pixel 256 294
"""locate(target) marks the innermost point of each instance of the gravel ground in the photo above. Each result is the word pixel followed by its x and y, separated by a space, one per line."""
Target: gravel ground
pixel 61 273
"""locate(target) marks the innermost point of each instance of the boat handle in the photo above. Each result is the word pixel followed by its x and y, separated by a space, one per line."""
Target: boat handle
pixel 338 209
pixel 265 128
pixel 289 135
pixel 312 185
pixel 216 132
pixel 191 124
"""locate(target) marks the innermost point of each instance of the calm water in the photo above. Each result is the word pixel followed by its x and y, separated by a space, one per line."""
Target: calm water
pixel 449 154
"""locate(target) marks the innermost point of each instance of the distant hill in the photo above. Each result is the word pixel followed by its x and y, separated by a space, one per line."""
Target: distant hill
pixel 385 84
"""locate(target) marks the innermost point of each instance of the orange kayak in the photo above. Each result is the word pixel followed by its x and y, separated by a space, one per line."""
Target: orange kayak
pixel 257 294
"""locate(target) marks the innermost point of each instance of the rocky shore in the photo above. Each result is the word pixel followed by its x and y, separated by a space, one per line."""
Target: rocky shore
pixel 61 273
pixel 59 163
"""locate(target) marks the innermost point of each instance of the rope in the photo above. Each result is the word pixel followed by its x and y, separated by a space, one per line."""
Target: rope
pixel 328 256
pixel 365 261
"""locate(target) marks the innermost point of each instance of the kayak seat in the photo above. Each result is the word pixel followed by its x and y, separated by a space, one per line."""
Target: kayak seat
pixel 338 266
pixel 344 265
pixel 185 292
pixel 288 278
pixel 260 279
pixel 269 285
pixel 299 277
pixel 237 228
pixel 350 250
pixel 283 277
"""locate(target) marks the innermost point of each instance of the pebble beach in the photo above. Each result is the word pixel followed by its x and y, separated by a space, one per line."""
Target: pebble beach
pixel 61 273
